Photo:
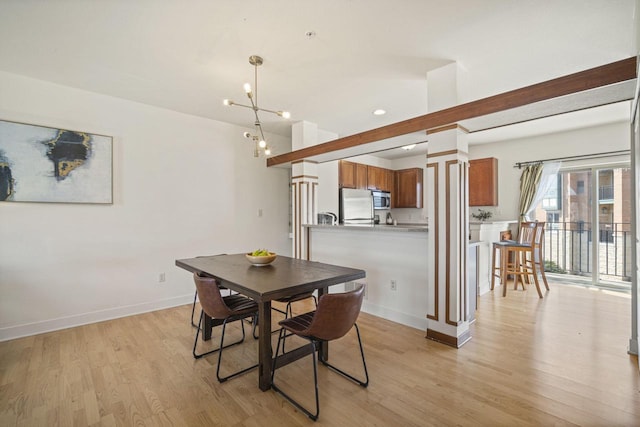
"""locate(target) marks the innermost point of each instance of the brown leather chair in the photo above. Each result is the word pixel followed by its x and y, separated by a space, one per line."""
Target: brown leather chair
pixel 228 309
pixel 288 311
pixel 195 297
pixel 335 316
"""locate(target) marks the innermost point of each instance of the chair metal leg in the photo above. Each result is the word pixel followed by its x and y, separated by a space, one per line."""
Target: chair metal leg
pixel 364 383
pixel 314 345
pixel 235 374
pixel 195 342
pixel 308 413
pixel 193 309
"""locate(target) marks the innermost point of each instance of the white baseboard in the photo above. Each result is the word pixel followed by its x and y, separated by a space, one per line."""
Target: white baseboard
pixel 28 329
pixel 395 316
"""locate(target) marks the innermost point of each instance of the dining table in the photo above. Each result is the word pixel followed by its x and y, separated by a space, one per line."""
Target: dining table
pixel 284 277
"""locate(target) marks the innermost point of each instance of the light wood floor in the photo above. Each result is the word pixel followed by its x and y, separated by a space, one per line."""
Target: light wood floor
pixel 557 361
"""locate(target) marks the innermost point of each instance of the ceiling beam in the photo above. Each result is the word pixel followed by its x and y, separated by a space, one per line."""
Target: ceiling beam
pixel 604 75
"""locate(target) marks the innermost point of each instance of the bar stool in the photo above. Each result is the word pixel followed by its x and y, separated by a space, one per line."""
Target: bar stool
pixel 521 259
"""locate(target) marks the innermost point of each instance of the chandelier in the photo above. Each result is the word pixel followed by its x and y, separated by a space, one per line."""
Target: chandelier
pixel 257 138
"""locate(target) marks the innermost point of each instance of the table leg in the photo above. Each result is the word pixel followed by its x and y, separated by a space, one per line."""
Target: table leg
pixel 264 345
pixel 323 346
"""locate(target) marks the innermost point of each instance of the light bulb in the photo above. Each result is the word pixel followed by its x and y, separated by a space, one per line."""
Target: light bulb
pixel 247 88
pixel 247 135
pixel 262 143
pixel 227 102
pixel 267 151
pixel 285 114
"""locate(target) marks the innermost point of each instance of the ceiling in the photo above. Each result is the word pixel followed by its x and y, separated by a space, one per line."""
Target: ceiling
pixel 362 55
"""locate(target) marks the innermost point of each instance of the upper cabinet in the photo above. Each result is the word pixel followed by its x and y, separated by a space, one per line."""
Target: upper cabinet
pixel 483 182
pixel 408 188
pixel 352 175
pixel 404 185
pixel 379 178
pixel 361 176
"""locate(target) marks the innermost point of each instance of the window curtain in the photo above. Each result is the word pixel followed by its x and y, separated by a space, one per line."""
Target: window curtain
pixel 529 181
pixel 548 179
pixel 535 182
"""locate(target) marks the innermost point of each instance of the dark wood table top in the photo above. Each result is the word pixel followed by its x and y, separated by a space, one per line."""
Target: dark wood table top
pixel 283 277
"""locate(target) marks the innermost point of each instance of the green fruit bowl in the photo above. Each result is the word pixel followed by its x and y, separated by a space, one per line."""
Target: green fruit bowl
pixel 260 261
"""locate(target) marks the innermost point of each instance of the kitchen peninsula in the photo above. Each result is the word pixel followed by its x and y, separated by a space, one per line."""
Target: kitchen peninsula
pixel 396 261
pixel 486 233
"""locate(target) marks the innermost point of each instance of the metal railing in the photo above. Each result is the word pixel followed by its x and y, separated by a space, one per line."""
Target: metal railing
pixel 568 249
pixel 605 192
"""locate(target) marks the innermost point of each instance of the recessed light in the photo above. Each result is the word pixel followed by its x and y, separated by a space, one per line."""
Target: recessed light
pixel 379 112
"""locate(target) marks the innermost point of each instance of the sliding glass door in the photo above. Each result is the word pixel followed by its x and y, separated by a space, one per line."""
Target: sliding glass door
pixel 588 215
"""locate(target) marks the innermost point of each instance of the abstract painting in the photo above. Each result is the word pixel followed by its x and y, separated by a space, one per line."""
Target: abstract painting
pixel 43 164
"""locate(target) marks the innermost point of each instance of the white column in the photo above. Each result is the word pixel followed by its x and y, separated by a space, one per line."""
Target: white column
pixel 447 180
pixel 304 183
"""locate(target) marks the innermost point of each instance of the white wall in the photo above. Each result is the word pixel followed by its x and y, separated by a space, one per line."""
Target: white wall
pixel 183 186
pixel 611 137
pixel 385 256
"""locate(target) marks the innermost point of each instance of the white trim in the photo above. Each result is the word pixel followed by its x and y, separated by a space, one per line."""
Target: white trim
pixel 28 329
pixel 395 316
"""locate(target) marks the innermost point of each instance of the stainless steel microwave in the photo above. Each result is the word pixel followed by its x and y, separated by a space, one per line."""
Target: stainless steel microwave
pixel 381 199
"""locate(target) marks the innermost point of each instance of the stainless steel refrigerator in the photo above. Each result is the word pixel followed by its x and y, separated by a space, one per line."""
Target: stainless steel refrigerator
pixel 356 207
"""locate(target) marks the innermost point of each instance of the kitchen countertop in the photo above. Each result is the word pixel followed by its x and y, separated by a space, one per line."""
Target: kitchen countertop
pixel 420 228
pixel 492 222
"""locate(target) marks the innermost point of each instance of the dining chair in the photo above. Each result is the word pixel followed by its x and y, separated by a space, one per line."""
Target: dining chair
pixel 228 309
pixel 522 259
pixel 288 311
pixel 334 317
pixel 195 296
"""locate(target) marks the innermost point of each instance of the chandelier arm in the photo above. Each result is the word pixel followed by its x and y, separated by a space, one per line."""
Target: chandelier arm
pixel 242 105
pixel 269 111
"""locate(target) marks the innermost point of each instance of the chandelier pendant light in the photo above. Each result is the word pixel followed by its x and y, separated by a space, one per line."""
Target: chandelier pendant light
pixel 258 139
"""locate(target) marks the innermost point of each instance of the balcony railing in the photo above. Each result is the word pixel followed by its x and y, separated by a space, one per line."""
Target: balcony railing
pixel 568 249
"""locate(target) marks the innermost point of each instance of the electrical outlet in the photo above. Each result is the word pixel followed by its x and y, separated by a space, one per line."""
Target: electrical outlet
pixel 161 277
pixel 394 285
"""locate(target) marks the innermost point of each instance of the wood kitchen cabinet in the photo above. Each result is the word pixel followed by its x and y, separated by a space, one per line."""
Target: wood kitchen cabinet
pixel 352 175
pixel 483 182
pixel 361 176
pixel 408 188
pixel 379 178
pixel 346 174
